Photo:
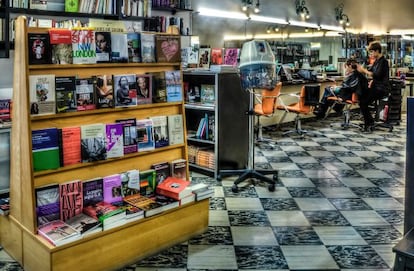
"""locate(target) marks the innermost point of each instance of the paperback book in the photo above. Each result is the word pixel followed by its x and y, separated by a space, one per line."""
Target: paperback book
pixel 130 182
pixel 148 47
pixel 129 134
pixel 160 128
pixel 70 145
pixel 84 224
pixel 93 191
pixel 5 107
pixel 204 58
pixel 147 182
pixel 83 46
pixel 47 204
pixel 162 171
pixel 93 147
pixel 45 149
pixel 125 90
pixel 65 94
pixel 179 169
pixel 173 86
pixel 134 47
pixel 207 94
pixel 150 206
pixel 61 43
pixel 119 44
pixel 175 129
pixel 168 48
pixel 71 5
pixel 159 87
pixel 216 56
pixel 231 56
pixel 112 188
pixel 173 187
pixel 85 98
pixel 58 233
pixel 106 213
pixel 144 88
pixel 71 202
pixel 103 46
pixel 40 51
pixel 42 94
pixel 114 140
pixel 145 136
pixel 104 91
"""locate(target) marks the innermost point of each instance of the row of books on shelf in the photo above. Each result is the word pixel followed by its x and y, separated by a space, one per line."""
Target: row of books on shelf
pixel 87 46
pixel 201 156
pixel 205 58
pixel 50 94
pixel 59 147
pixel 199 93
pixel 205 129
pixel 180 4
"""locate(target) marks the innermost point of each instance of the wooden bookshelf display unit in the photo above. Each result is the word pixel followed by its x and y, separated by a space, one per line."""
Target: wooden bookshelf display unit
pixel 107 250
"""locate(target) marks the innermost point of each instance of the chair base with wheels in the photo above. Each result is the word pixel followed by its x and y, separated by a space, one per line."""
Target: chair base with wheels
pixel 245 174
pixel 348 106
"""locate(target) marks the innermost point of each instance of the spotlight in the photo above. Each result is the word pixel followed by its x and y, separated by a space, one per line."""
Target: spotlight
pixel 341 17
pixel 246 5
pixel 301 9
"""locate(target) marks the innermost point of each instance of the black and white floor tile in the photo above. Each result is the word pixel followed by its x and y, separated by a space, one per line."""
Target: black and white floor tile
pixel 338 205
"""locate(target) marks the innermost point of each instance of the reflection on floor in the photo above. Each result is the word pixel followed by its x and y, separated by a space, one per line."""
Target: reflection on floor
pixel 338 205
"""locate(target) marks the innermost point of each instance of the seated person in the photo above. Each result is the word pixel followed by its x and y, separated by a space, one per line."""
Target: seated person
pixel 354 81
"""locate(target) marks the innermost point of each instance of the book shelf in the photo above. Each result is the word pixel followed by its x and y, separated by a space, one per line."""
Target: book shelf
pixel 114 248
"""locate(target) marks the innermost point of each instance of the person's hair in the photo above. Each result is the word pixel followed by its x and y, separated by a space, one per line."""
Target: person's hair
pixel 375 46
pixel 351 62
pixel 122 78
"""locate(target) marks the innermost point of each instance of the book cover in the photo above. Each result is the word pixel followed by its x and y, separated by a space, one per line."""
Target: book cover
pixel 65 94
pixel 42 94
pixel 71 199
pixel 104 91
pixel 71 145
pixel 58 233
pixel 105 212
pixel 173 86
pixel 132 213
pixel 193 57
pixel 93 137
pixel 159 87
pixel 5 107
pixel 185 55
pixel 144 88
pixel 112 188
pixel 207 94
pixel 4 205
pixel 71 5
pixel 129 134
pixel 119 44
pixel 85 98
pixel 93 191
pixel 231 56
pixel 204 58
pixel 40 51
pixel 160 129
pixel 61 43
pixel 114 140
pixel 150 206
pixel 83 46
pixel 147 47
pixel 147 182
pixel 145 135
pixel 166 202
pixel 179 169
pixel 130 182
pixel 38 4
pixel 47 204
pixel 216 56
pixel 162 171
pixel 134 47
pixel 103 46
pixel 174 188
pixel 45 149
pixel 125 90
pixel 167 48
pixel 175 129
pixel 84 224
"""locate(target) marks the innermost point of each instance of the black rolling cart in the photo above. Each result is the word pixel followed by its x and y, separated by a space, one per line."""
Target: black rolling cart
pixel 395 101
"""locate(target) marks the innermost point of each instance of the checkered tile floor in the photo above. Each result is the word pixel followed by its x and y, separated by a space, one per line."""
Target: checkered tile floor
pixel 338 205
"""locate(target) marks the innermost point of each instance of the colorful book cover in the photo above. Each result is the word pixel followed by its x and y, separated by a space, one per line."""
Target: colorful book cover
pixel 83 223
pixel 114 140
pixel 112 186
pixel 93 138
pixel 47 204
pixel 45 149
pixel 103 46
pixel 168 48
pixel 174 188
pixel 148 47
pixel 134 47
pixel 150 206
pixel 71 5
pixel 193 57
pixel 58 233
pixel 85 98
pixel 40 51
pixel 216 56
pixel 145 136
pixel 83 46
pixel 207 94
pixel 130 182
pixel 42 94
pixel 5 106
pixel 104 91
pixel 159 87
pixel 130 135
pixel 147 182
pixel 119 44
pixel 93 191
pixel 173 86
pixel 231 56
pixel 162 171
pixel 204 58
pixel 175 129
pixel 125 90
pixel 160 130
pixel 105 212
pixel 61 43
pixel 71 145
pixel 144 88
pixel 179 169
pixel 71 199
pixel 65 94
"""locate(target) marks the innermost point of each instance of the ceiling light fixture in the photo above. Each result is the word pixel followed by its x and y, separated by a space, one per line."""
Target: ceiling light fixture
pixel 341 17
pixel 248 4
pixel 301 9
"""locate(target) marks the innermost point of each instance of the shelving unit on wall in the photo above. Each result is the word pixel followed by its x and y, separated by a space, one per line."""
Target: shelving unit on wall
pixel 226 144
pixel 107 250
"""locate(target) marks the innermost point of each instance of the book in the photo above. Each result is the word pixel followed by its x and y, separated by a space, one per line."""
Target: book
pixel 85 98
pixel 204 58
pixel 4 205
pixel 145 136
pixel 173 187
pixel 201 190
pixel 42 94
pixel 65 94
pixel 83 46
pixel 119 44
pixel 193 57
pixel 150 206
pixel 130 182
pixel 159 87
pixel 40 51
pixel 216 56
pixel 114 140
pixel 58 233
pixel 5 107
pixel 125 90
pixel 84 224
pixel 231 56
pixel 207 94
pixel 71 199
pixel 179 169
pixel 175 129
pixel 45 149
pixel 93 191
pixel 134 47
pixel 166 202
pixel 144 88
pixel 129 135
pixel 173 86
pixel 38 4
pixel 147 182
pixel 160 130
pixel 106 213
pixel 112 188
pixel 147 47
pixel 162 171
pixel 47 204
pixel 61 44
pixel 93 147
pixel 71 5
pixel 132 213
pixel 167 48
pixel 103 46
pixel 71 145
pixel 104 93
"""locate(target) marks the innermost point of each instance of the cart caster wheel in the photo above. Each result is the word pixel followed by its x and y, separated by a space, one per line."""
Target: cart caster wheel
pixel 234 188
pixel 275 177
pixel 271 187
pixel 219 178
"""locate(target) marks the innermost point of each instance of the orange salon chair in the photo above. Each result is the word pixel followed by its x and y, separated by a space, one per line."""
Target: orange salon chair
pixel 348 106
